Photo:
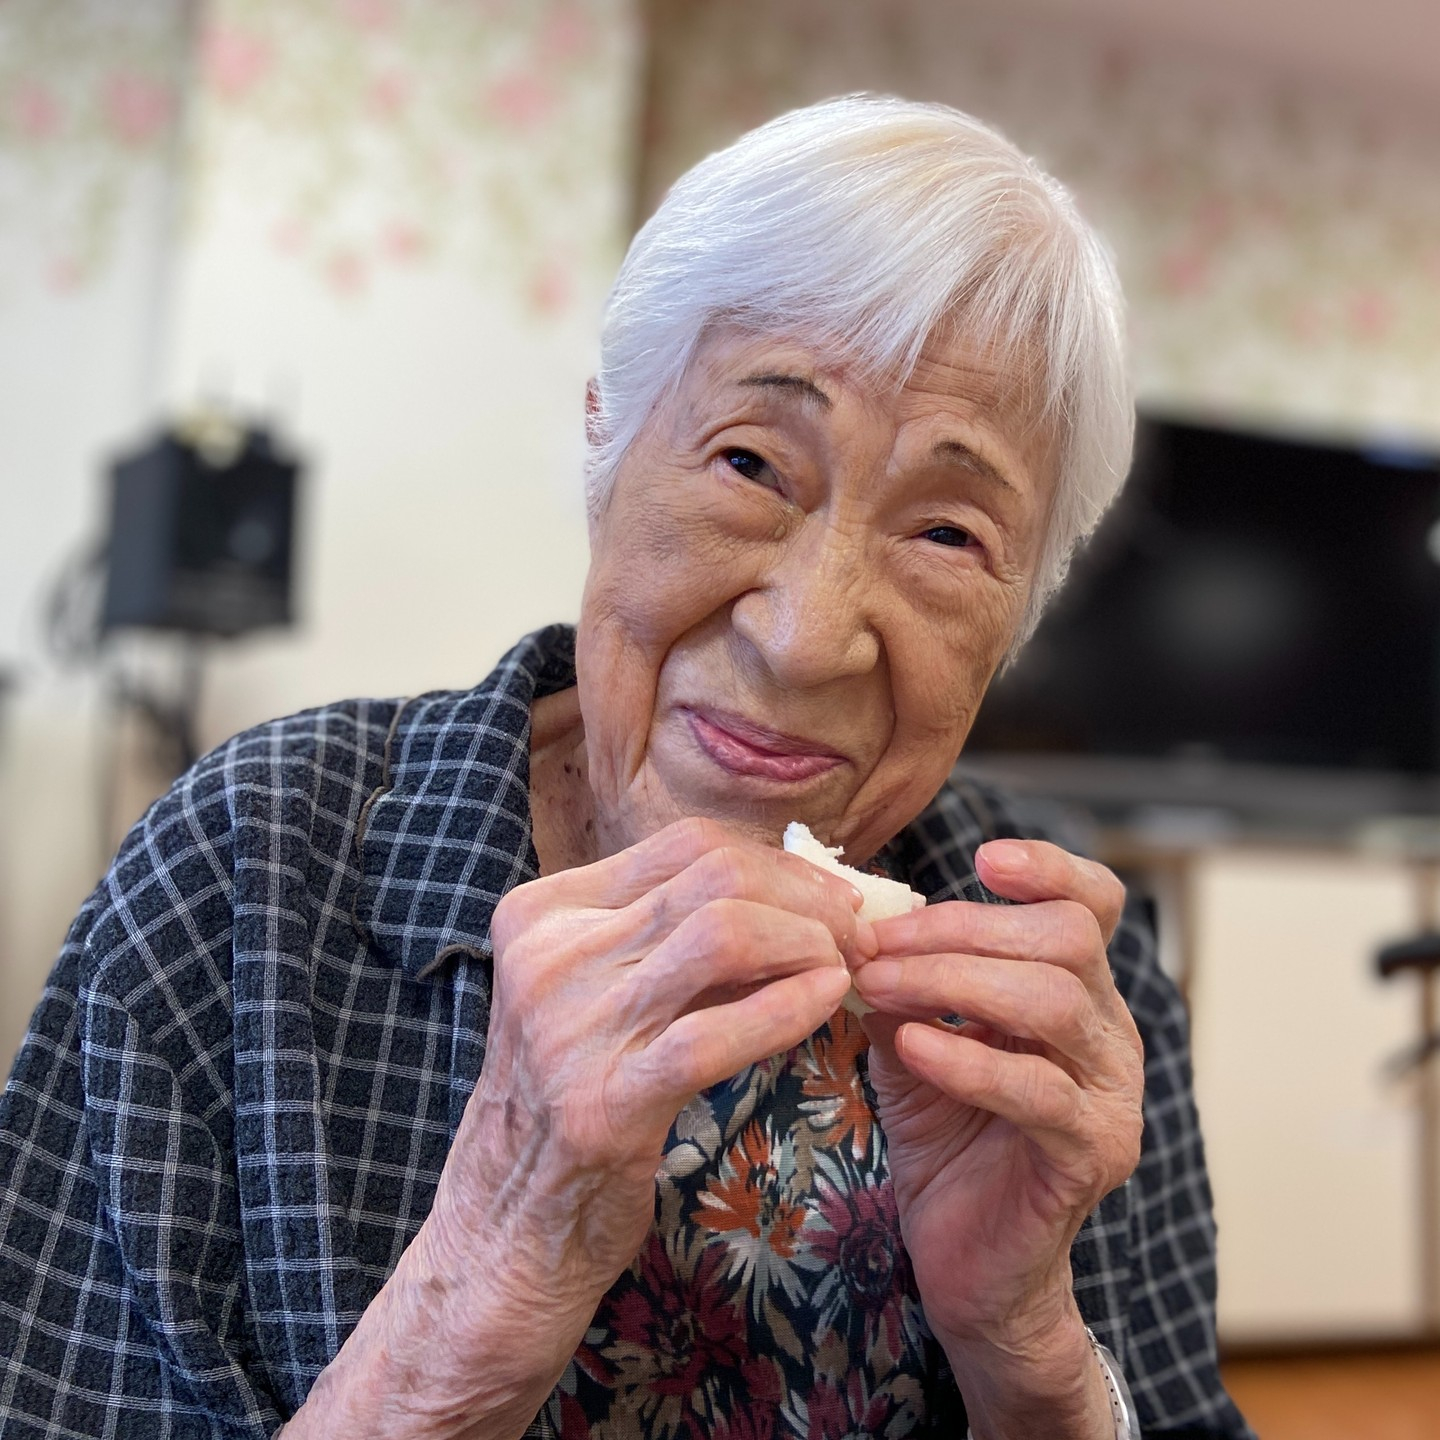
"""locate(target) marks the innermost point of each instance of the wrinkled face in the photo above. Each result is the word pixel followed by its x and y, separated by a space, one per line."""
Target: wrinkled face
pixel 800 587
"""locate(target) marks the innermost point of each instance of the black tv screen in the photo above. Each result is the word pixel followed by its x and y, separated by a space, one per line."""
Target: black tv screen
pixel 1250 598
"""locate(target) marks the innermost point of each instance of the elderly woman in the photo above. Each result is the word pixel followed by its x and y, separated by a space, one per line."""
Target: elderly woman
pixel 475 1063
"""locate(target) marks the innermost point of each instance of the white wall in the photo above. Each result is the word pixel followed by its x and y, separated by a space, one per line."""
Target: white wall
pixel 88 95
pixel 86 171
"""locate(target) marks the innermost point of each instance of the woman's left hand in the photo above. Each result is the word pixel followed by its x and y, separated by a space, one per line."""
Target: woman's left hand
pixel 1004 1134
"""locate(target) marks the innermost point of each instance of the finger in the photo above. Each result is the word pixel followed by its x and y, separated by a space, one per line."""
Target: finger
pixel 1040 1003
pixel 765 876
pixel 1056 932
pixel 890 1073
pixel 1029 1091
pixel 707 1046
pixel 881 1028
pixel 1029 870
pixel 725 946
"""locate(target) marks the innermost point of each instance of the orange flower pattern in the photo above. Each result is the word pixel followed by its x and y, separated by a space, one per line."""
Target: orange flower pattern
pixel 835 1099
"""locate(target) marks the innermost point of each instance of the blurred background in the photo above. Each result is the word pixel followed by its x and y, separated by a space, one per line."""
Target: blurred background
pixel 349 256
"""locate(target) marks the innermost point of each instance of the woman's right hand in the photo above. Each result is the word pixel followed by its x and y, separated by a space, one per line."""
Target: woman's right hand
pixel 621 989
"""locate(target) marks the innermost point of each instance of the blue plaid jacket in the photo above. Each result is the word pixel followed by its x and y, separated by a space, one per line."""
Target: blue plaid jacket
pixel 230 1114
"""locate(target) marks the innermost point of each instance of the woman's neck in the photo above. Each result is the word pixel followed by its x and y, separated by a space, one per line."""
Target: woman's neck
pixel 562 807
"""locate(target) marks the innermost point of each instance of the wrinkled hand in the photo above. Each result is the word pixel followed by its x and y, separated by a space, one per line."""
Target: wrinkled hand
pixel 621 989
pixel 1004 1134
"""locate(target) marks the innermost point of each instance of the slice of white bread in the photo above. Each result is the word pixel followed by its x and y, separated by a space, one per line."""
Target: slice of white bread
pixel 883 898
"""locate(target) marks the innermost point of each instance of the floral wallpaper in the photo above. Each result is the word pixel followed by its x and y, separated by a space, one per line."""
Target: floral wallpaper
pixel 89 100
pixel 375 136
pixel 1279 240
pixel 381 135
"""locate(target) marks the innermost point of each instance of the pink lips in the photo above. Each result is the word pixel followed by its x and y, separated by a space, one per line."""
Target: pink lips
pixel 744 748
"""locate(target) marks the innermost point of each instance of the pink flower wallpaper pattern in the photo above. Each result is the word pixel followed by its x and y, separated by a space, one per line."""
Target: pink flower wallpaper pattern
pixel 1278 237
pixel 89 102
pixel 374 135
pixel 384 134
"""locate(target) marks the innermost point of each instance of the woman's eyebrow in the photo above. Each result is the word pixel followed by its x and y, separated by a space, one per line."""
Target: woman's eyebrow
pixel 956 450
pixel 807 391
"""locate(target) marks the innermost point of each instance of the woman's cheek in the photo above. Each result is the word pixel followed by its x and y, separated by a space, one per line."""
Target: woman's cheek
pixel 943 668
pixel 707 562
pixel 985 620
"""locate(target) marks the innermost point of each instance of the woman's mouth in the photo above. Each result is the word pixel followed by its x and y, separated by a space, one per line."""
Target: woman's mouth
pixel 741 747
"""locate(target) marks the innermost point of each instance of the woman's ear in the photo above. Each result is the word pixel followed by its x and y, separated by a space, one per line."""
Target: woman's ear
pixel 592 441
pixel 592 413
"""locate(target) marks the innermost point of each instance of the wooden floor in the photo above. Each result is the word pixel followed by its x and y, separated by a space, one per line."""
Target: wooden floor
pixel 1353 1397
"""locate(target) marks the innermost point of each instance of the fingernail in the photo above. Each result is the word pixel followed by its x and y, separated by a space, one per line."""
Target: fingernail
pixel 857 899
pixel 922 1042
pixel 881 974
pixel 1004 854
pixel 865 941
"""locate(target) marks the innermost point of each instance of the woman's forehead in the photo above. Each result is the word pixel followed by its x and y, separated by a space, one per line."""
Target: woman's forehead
pixel 988 386
pixel 952 366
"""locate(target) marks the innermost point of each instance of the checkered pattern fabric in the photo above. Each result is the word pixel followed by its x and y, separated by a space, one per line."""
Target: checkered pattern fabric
pixel 231 1111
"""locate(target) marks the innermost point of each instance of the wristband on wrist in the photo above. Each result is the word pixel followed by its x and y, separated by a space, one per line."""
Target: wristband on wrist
pixel 1122 1406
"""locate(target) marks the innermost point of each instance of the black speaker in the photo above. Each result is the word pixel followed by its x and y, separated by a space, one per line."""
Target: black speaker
pixel 202 530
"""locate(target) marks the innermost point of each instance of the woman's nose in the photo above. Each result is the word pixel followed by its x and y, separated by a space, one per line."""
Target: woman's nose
pixel 810 618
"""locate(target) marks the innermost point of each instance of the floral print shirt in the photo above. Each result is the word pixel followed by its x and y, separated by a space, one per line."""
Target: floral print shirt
pixel 773 1296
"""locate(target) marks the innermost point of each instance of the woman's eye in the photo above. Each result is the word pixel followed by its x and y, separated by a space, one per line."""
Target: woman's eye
pixel 949 535
pixel 750 465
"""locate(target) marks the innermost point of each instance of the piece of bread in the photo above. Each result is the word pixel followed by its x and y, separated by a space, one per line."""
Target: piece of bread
pixel 883 898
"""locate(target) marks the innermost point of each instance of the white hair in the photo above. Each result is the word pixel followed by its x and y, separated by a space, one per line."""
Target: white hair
pixel 864 224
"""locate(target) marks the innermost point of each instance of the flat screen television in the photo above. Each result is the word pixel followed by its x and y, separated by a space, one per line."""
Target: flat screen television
pixel 1251 599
